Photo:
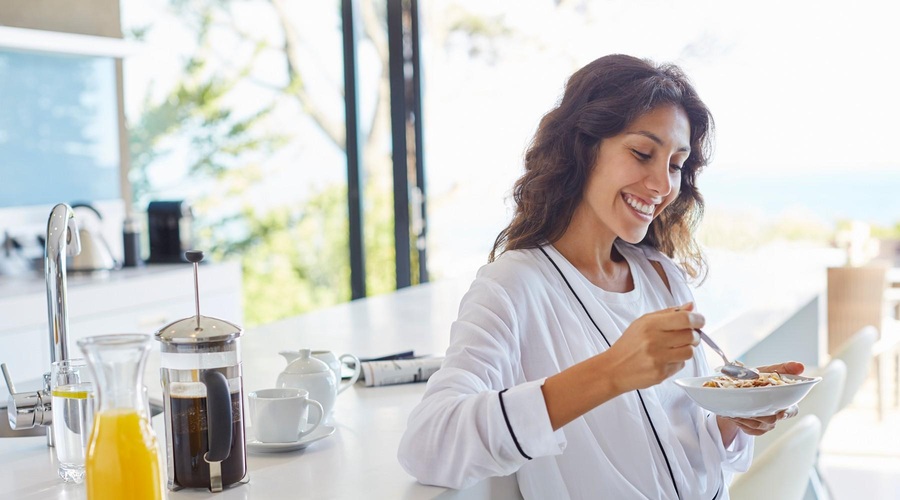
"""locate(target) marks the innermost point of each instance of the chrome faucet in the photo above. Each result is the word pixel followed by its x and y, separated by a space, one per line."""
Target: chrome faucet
pixel 62 239
pixel 27 410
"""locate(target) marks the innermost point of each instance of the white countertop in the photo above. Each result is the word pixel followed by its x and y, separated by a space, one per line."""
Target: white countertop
pixel 359 460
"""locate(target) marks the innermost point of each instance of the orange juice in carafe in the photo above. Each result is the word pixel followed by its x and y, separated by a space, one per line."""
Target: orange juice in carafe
pixel 122 458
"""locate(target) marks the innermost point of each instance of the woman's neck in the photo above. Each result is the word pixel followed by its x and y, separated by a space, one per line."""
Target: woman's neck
pixel 594 254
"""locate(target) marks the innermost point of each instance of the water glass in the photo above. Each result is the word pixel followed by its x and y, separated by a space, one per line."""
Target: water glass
pixel 73 415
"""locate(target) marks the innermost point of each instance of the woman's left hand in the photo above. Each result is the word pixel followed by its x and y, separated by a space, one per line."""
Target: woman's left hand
pixel 758 426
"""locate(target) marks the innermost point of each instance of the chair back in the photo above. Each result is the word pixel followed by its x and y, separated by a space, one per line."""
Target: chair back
pixel 821 401
pixel 782 471
pixel 856 353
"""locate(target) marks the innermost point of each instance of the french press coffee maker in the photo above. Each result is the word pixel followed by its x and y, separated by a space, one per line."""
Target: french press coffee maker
pixel 200 367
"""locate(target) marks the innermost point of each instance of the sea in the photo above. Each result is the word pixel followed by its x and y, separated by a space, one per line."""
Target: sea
pixel 866 195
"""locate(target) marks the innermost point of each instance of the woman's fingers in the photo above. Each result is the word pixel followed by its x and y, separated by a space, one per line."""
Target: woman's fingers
pixel 680 320
pixel 678 327
pixel 789 412
pixel 789 368
pixel 756 426
pixel 658 343
pixel 695 338
pixel 683 353
pixel 760 425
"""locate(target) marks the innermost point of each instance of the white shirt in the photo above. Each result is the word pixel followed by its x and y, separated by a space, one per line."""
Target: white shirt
pixel 520 323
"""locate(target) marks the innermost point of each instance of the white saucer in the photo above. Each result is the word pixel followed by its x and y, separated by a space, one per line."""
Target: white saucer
pixel 321 432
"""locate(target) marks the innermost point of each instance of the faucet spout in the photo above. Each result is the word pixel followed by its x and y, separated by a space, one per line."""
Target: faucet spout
pixel 62 240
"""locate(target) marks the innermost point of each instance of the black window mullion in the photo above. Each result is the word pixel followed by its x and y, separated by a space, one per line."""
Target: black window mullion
pixel 352 145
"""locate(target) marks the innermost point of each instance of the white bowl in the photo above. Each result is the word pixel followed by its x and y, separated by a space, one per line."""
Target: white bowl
pixel 748 401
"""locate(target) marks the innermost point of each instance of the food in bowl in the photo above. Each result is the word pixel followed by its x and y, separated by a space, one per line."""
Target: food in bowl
pixel 765 379
pixel 745 402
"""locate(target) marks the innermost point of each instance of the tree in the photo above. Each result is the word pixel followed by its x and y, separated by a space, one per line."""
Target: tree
pixel 294 254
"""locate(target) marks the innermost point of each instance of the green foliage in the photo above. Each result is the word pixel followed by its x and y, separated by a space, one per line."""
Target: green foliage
pixel 378 233
pixel 295 258
pixel 887 233
pixel 744 231
pixel 194 112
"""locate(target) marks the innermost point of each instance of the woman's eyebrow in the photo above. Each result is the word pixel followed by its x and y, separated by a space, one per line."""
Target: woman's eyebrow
pixel 653 137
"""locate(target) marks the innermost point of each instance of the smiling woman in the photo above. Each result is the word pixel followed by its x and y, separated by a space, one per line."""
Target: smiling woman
pixel 562 360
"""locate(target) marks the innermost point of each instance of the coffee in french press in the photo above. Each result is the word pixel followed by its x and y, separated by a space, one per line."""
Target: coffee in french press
pixel 200 367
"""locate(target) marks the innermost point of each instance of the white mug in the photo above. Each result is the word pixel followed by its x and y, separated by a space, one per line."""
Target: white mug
pixel 335 362
pixel 281 415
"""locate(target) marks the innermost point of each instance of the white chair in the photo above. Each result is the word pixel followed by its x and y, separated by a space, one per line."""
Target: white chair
pixel 782 470
pixel 822 402
pixel 857 354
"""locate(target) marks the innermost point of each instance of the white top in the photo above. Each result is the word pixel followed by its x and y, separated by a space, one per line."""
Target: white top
pixel 518 324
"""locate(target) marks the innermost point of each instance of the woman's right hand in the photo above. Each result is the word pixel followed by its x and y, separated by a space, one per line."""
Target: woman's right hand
pixel 654 347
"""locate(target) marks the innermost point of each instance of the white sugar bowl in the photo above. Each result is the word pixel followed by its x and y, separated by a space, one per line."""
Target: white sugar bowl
pixel 313 375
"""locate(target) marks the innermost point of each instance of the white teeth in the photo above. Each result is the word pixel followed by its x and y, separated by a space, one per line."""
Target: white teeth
pixel 640 207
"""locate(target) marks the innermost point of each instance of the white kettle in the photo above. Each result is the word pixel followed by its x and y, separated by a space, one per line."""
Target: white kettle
pixel 95 251
pixel 311 374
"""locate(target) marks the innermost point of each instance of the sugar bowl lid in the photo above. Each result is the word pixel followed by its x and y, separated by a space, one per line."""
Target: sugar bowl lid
pixel 304 363
pixel 196 330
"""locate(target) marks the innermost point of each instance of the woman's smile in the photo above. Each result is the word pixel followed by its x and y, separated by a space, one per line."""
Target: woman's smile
pixel 642 208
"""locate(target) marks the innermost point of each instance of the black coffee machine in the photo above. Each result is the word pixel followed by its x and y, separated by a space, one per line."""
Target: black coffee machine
pixel 170 230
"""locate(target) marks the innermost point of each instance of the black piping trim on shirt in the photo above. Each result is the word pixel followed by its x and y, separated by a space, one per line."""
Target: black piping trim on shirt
pixel 508 426
pixel 608 344
pixel 641 398
pixel 659 442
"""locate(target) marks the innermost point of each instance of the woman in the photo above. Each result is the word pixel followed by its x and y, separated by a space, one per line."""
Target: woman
pixel 562 360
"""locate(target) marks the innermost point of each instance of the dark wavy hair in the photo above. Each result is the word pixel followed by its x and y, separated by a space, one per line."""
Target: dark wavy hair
pixel 600 101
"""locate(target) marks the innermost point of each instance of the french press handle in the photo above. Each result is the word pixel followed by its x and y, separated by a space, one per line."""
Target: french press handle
pixel 219 419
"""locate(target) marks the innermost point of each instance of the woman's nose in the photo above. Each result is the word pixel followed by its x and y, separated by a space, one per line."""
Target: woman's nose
pixel 659 180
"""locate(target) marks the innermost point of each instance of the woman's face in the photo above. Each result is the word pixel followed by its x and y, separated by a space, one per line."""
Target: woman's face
pixel 638 172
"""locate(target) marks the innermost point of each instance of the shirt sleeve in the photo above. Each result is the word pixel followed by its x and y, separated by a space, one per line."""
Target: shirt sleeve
pixel 478 418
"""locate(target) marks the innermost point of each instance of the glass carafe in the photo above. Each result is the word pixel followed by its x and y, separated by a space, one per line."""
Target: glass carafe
pixel 122 456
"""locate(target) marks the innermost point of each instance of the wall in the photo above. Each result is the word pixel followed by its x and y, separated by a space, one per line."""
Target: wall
pixel 86 17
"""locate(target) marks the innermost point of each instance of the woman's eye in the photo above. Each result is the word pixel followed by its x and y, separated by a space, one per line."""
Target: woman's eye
pixel 641 156
pixel 676 168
